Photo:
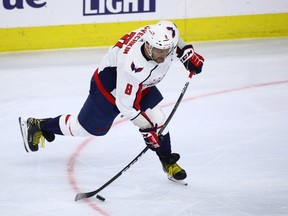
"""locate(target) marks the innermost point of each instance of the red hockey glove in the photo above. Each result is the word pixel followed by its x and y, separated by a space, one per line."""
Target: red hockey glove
pixel 150 137
pixel 191 60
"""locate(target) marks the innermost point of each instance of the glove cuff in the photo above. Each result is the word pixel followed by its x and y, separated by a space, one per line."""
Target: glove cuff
pixel 142 121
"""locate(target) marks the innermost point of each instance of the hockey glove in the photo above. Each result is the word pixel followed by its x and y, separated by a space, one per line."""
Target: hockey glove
pixel 150 137
pixel 142 120
pixel 191 60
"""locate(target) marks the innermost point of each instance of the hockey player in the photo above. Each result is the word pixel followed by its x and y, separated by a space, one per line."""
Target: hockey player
pixel 125 82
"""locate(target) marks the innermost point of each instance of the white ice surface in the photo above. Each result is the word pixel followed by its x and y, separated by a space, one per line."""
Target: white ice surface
pixel 231 131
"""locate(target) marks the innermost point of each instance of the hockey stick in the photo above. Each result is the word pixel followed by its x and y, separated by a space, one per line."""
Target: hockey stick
pixel 92 193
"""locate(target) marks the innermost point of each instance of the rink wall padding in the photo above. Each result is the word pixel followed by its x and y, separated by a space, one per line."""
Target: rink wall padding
pixel 106 34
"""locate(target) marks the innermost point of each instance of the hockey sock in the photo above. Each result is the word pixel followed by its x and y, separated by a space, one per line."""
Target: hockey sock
pixel 165 145
pixel 52 126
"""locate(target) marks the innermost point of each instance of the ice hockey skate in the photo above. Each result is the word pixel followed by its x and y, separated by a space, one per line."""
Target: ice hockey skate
pixel 32 134
pixel 174 172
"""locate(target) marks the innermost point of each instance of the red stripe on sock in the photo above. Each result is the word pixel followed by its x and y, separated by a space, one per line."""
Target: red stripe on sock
pixel 67 118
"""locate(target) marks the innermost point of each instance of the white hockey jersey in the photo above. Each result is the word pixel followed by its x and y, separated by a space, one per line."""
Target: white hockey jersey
pixel 124 72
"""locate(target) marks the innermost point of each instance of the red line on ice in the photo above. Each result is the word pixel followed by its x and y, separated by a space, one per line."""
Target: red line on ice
pixel 73 158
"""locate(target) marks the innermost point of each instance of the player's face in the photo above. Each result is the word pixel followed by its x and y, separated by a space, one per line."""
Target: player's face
pixel 159 55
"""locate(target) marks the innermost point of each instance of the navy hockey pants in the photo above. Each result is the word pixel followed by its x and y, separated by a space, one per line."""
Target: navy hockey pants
pixel 97 114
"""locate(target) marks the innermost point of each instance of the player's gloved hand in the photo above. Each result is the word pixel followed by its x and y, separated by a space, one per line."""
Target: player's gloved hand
pixel 191 60
pixel 150 137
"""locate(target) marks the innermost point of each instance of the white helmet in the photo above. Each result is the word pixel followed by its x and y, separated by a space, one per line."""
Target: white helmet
pixel 171 27
pixel 158 37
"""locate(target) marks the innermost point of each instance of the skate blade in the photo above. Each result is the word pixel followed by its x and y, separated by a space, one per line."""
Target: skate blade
pixel 23 129
pixel 182 182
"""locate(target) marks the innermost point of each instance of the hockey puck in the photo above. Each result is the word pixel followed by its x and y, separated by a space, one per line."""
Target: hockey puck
pixel 100 197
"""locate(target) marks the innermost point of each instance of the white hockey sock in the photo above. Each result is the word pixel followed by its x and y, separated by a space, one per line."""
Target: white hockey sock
pixel 69 125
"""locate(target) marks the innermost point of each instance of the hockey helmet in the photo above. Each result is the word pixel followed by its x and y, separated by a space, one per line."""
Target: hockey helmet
pixel 159 37
pixel 171 27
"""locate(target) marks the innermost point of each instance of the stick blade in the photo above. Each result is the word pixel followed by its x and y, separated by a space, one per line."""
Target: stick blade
pixel 80 196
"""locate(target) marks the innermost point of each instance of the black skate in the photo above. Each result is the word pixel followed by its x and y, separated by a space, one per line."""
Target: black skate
pixel 32 134
pixel 173 170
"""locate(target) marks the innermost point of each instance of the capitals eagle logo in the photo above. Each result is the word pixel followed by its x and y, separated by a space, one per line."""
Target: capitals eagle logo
pixel 134 68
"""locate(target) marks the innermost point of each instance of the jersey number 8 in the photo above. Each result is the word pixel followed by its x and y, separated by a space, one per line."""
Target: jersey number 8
pixel 128 89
